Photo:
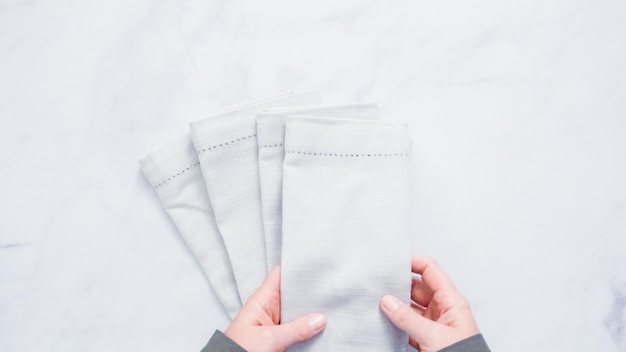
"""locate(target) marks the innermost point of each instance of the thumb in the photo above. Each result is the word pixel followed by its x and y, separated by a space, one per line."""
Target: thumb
pixel 298 330
pixel 406 319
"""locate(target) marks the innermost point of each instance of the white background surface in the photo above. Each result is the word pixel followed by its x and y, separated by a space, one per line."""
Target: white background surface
pixel 517 111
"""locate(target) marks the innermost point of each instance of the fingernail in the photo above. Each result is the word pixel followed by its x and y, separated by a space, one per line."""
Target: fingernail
pixel 390 303
pixel 317 321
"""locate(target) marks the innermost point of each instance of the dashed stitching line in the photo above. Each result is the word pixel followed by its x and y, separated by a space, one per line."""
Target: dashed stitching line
pixel 271 145
pixel 169 179
pixel 370 155
pixel 180 173
pixel 240 139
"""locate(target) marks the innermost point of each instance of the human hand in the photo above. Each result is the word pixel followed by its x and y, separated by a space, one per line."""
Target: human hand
pixel 439 315
pixel 256 327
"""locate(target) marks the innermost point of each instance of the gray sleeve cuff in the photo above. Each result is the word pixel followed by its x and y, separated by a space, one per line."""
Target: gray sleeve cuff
pixel 221 343
pixel 475 343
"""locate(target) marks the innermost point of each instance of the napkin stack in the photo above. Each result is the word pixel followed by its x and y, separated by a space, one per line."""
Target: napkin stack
pixel 321 190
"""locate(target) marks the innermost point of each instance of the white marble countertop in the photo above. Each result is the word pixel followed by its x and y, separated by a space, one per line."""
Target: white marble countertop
pixel 517 111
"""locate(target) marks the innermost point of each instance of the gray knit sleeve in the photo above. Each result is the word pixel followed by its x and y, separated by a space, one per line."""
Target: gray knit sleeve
pixel 221 343
pixel 475 343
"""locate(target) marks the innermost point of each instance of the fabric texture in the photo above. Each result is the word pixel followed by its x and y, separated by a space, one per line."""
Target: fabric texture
pixel 227 150
pixel 475 343
pixel 345 230
pixel 271 136
pixel 221 343
pixel 174 172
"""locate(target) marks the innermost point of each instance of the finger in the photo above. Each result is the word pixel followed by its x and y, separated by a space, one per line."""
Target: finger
pixel 418 309
pixel 414 343
pixel 269 285
pixel 298 330
pixel 405 319
pixel 267 296
pixel 420 292
pixel 432 274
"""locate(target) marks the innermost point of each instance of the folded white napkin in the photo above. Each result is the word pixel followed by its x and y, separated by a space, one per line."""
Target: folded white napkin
pixel 345 230
pixel 270 125
pixel 227 149
pixel 174 172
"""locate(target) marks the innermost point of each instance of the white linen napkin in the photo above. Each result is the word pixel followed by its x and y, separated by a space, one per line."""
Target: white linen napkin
pixel 227 149
pixel 270 125
pixel 174 172
pixel 345 230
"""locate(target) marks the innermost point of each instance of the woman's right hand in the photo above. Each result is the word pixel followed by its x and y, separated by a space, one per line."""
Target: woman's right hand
pixel 439 315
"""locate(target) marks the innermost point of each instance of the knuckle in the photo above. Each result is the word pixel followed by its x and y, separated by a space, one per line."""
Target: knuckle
pixel 268 336
pixel 464 303
pixel 431 261
pixel 403 316
pixel 299 333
